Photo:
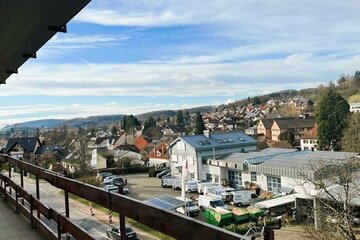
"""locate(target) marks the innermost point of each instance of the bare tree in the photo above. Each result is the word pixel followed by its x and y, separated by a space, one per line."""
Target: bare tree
pixel 336 193
pixel 83 157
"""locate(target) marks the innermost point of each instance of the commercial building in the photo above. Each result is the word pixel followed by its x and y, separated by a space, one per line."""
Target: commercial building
pixel 194 150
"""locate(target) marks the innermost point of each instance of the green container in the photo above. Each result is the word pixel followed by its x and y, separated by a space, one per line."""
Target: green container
pixel 255 212
pixel 218 219
pixel 240 215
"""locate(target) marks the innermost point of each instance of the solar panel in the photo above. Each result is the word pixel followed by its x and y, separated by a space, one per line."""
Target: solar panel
pixel 165 202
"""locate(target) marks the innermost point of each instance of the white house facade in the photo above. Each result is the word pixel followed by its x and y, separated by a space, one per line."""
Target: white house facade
pixel 194 150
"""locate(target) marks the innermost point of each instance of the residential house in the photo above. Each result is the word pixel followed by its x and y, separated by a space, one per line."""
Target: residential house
pixel 141 142
pixel 172 130
pixel 110 142
pixel 195 149
pixel 129 151
pixel 355 107
pixel 160 155
pixel 251 131
pixel 211 124
pixel 59 152
pixel 264 127
pixel 254 115
pixel 299 126
pixel 309 141
pixel 22 147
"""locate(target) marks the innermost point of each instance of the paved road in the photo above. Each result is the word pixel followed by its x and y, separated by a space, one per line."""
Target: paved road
pixel 79 213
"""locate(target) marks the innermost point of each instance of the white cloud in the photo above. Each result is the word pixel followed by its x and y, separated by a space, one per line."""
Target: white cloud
pixel 231 100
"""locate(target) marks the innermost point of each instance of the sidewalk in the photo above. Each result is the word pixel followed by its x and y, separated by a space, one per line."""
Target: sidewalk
pixel 15 226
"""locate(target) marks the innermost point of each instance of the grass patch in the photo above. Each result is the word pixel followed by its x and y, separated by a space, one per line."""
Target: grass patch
pixel 116 215
pixel 5 166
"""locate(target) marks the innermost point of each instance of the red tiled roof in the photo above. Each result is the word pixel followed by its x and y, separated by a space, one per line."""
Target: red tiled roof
pixel 141 143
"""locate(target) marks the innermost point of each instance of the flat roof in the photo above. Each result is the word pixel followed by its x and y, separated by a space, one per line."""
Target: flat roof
pixel 276 201
pixel 27 25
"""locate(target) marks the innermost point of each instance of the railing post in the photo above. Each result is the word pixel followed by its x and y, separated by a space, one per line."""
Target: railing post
pixel 10 177
pixel 17 199
pixel 122 217
pixel 67 209
pixel 22 183
pixel 1 168
pixel 59 226
pixel 37 194
pixel 31 211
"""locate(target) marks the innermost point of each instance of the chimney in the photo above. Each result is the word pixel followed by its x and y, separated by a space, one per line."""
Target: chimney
pixel 207 133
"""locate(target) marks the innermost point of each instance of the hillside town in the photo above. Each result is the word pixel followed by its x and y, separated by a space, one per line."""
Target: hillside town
pixel 163 120
pixel 242 148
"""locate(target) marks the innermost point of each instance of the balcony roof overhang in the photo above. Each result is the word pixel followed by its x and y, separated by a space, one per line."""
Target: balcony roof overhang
pixel 25 26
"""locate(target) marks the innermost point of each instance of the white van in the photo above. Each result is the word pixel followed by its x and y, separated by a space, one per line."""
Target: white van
pixel 191 186
pixel 168 181
pixel 202 185
pixel 225 193
pixel 211 202
pixel 243 198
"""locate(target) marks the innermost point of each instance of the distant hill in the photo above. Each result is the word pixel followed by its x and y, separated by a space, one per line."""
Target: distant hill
pixel 76 122
pixel 172 113
pixel 347 86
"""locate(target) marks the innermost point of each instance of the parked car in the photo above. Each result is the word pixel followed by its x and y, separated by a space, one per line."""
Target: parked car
pixel 242 198
pixel 162 173
pixel 103 175
pixel 109 179
pixel 113 188
pixel 191 208
pixel 114 233
pixel 119 180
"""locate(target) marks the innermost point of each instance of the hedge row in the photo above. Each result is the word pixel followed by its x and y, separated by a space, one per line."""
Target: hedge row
pixel 127 170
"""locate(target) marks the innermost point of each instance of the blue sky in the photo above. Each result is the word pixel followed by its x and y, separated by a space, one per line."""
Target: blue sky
pixel 126 56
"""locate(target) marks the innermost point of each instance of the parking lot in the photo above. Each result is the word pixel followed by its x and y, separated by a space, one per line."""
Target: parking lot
pixel 143 187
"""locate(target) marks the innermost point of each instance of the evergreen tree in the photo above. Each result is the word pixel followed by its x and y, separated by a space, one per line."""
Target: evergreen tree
pixel 331 117
pixel 93 132
pixel 357 76
pixel 179 118
pixel 256 100
pixel 114 131
pixel 149 123
pixel 168 119
pixel 199 124
pixel 129 123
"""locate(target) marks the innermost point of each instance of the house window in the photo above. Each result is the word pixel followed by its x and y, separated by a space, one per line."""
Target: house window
pixel 306 148
pixel 253 177
pixel 305 141
pixel 274 184
pixel 209 177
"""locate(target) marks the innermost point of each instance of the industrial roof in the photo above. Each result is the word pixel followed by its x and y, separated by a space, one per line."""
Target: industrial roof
pixel 219 140
pixel 255 157
pixel 300 163
pixel 27 25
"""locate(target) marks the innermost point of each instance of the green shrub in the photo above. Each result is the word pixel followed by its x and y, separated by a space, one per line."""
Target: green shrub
pixel 127 170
